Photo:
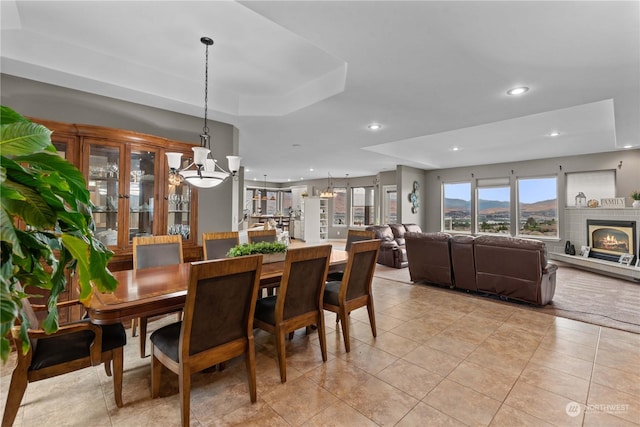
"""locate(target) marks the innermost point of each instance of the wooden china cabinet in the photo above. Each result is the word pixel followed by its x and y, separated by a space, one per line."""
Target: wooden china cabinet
pixel 128 178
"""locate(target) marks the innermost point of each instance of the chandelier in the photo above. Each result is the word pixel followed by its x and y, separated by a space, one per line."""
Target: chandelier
pixel 328 192
pixel 205 174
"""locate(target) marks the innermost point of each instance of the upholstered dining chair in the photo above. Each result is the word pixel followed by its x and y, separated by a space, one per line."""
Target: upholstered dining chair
pixel 217 245
pixel 352 236
pixel 299 300
pixel 354 291
pixel 217 325
pixel 254 236
pixel 154 251
pixel 76 345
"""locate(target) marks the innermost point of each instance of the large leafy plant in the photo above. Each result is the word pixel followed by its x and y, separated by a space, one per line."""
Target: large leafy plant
pixel 46 226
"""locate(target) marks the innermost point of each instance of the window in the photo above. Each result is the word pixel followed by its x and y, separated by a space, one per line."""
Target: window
pixel 340 206
pixel 390 204
pixel 595 185
pixel 456 207
pixel 493 203
pixel 538 206
pixel 362 206
pixel 287 200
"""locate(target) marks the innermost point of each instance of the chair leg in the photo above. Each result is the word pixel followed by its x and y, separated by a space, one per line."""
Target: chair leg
pixel 16 393
pixel 282 361
pixel 185 395
pixel 372 317
pixel 344 322
pixel 118 365
pixel 107 367
pixel 143 336
pixel 156 373
pixel 250 360
pixel 321 334
pixel 134 326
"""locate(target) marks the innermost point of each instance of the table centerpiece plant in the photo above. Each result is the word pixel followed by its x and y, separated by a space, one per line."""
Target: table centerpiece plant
pixel 271 251
pixel 47 226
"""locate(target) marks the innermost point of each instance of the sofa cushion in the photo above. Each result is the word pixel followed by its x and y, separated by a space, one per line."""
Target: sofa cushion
pixel 415 228
pixel 382 232
pixel 398 233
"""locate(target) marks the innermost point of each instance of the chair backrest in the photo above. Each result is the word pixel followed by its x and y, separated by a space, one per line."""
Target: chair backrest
pixel 221 302
pixel 361 265
pixel 254 236
pixel 303 279
pixel 358 235
pixel 156 251
pixel 217 245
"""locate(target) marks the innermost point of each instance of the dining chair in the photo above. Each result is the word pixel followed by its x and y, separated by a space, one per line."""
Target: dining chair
pixel 354 290
pixel 254 236
pixel 74 346
pixel 217 245
pixel 352 236
pixel 154 251
pixel 299 300
pixel 217 325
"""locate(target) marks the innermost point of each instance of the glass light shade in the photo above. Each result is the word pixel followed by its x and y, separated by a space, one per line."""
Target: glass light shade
pixel 200 154
pixel 174 160
pixel 209 179
pixel 234 163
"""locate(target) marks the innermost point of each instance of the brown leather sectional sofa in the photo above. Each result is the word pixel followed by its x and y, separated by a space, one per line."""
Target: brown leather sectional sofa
pixel 392 249
pixel 514 268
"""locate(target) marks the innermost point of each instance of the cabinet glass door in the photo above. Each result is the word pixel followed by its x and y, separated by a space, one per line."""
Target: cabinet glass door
pixel 104 171
pixel 179 207
pixel 141 192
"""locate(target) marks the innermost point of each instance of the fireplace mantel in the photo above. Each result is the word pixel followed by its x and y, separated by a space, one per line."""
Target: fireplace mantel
pixel 574 229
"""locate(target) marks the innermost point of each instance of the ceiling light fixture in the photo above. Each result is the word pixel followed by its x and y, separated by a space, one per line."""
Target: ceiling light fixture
pixel 374 126
pixel 205 175
pixel 328 193
pixel 554 134
pixel 518 90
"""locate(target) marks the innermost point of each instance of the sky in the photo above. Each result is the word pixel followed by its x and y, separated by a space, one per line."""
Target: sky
pixel 530 191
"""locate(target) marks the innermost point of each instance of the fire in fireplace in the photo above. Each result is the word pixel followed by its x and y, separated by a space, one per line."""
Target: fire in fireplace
pixel 610 239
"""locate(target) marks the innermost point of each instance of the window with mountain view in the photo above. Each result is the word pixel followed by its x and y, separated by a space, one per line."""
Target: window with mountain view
pixel 493 206
pixel 456 203
pixel 538 207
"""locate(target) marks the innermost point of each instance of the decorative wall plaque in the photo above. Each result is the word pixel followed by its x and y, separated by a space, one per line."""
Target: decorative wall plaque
pixel 613 202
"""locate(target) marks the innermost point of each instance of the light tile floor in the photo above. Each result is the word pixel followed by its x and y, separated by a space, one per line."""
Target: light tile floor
pixel 440 359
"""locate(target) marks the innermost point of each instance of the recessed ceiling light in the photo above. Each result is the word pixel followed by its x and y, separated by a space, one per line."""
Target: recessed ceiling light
pixel 554 133
pixel 518 90
pixel 296 145
pixel 455 149
pixel 310 169
pixel 374 126
pixel 627 146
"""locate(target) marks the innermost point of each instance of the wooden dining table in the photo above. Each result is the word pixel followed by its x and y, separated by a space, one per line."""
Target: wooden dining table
pixel 158 290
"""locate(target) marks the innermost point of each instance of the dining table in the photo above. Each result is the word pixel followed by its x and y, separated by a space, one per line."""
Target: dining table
pixel 159 290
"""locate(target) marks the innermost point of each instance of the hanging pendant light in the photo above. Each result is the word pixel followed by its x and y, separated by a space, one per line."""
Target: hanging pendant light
pixel 328 193
pixel 205 174
pixel 264 196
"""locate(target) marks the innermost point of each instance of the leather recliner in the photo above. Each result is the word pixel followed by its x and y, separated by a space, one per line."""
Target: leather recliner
pixel 393 252
pixel 429 257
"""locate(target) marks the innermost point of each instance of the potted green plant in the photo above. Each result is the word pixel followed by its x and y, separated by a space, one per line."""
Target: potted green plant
pixel 271 251
pixel 635 195
pixel 47 226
